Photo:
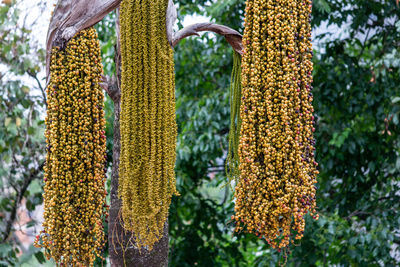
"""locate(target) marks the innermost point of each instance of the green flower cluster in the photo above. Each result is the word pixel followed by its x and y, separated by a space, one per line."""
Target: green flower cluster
pixel 148 124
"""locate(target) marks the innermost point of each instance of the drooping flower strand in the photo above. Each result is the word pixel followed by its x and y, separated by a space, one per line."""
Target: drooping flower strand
pixel 235 92
pixel 148 127
pixel 278 172
pixel 74 192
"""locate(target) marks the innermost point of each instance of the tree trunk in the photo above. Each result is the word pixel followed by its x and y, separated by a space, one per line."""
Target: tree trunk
pixel 122 247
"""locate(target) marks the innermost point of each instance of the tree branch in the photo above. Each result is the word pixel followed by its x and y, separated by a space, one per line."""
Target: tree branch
pixel 171 16
pixel 33 75
pixel 20 195
pixel 357 213
pixel 72 16
pixel 233 37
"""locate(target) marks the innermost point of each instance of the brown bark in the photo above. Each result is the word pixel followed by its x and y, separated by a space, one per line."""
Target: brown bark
pixel 233 37
pixel 72 16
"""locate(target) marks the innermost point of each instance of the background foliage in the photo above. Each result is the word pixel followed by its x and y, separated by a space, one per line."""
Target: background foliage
pixel 357 103
pixel 22 104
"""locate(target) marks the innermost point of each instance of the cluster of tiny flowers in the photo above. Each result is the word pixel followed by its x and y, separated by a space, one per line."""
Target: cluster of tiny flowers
pixel 74 192
pixel 278 172
pixel 148 126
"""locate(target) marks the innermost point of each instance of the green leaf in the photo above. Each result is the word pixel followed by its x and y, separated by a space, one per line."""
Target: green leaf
pixel 40 257
pixel 375 252
pixel 398 26
pixel 353 241
pixel 368 238
pixel 323 6
pixel 395 99
pixel 31 130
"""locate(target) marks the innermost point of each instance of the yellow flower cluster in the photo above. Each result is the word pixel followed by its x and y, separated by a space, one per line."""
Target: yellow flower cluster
pixel 74 192
pixel 148 126
pixel 277 167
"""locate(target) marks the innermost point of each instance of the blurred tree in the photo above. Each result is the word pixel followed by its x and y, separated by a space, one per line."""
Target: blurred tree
pixel 22 103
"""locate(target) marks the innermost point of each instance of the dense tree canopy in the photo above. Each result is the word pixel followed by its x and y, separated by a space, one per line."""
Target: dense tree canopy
pixel 356 99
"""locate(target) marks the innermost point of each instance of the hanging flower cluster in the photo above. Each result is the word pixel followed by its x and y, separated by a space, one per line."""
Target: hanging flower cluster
pixel 74 192
pixel 278 172
pixel 148 126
